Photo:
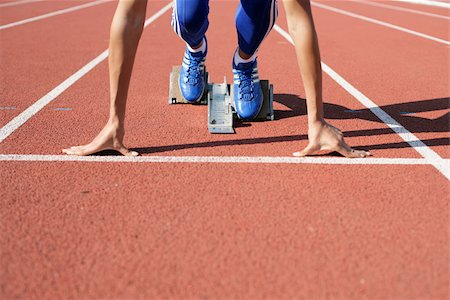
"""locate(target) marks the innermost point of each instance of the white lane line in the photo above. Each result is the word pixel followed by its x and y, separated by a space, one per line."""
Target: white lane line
pixel 427 2
pixel 52 14
pixel 18 121
pixel 393 7
pixel 217 159
pixel 385 24
pixel 431 156
pixel 14 3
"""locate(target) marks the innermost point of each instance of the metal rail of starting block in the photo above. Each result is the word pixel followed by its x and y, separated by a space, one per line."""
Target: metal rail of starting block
pixel 219 98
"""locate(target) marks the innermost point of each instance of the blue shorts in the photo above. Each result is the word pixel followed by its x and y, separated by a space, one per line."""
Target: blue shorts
pixel 254 20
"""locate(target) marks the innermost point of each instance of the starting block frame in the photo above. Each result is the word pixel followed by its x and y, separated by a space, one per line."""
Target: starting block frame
pixel 219 99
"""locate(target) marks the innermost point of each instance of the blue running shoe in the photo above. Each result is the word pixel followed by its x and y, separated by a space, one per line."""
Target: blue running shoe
pixel 248 96
pixel 192 75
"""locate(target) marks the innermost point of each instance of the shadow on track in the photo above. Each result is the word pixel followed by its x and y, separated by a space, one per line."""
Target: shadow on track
pixel 402 112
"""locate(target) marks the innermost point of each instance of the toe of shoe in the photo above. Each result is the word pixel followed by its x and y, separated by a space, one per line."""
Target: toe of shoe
pixel 192 94
pixel 247 110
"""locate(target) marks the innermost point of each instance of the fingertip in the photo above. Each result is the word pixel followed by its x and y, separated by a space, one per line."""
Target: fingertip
pixel 127 152
pixel 67 151
pixel 297 154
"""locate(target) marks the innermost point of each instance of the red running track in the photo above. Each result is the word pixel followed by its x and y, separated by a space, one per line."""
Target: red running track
pixel 199 230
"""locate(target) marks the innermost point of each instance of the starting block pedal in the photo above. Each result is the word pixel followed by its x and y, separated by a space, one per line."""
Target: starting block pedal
pixel 219 98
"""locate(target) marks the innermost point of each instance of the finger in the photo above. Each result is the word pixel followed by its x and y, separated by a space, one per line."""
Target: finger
pixel 362 153
pixel 69 152
pixel 308 150
pixel 352 153
pixel 127 152
pixel 76 150
pixel 367 153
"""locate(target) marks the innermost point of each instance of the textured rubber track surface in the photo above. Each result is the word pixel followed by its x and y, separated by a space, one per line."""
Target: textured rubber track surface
pixel 16 13
pixel 91 230
pixel 158 236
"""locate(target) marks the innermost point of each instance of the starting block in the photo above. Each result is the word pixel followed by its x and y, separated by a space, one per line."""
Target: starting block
pixel 219 99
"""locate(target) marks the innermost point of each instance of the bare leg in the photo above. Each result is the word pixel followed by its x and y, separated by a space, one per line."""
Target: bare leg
pixel 126 30
pixel 322 136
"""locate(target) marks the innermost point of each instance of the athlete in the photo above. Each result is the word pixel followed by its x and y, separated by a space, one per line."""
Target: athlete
pixel 254 20
pixel 126 30
pixel 321 135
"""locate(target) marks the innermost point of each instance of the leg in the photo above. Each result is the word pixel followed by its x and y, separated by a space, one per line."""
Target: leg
pixel 254 20
pixel 322 136
pixel 126 30
pixel 190 22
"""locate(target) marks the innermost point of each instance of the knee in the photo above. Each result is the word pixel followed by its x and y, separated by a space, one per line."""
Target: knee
pixel 192 23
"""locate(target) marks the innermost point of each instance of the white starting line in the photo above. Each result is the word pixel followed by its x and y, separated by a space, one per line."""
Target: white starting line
pixel 218 159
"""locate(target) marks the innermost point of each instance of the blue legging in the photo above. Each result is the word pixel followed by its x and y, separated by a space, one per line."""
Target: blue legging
pixel 254 20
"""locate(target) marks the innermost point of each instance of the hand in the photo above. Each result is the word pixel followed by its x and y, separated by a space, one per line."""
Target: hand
pixel 109 138
pixel 323 136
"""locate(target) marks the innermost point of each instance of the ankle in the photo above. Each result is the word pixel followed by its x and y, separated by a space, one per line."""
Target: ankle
pixel 199 48
pixel 241 57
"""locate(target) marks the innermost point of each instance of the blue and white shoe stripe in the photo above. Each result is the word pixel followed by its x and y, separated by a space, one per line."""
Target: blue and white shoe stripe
pixel 255 76
pixel 186 63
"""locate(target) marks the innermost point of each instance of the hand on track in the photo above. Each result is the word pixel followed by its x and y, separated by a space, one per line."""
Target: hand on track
pixel 324 136
pixel 109 138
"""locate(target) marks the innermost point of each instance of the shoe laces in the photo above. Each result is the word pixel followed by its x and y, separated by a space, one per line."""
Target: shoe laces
pixel 193 72
pixel 246 86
